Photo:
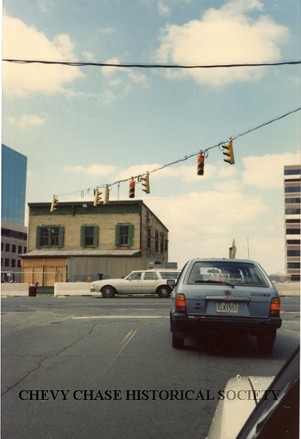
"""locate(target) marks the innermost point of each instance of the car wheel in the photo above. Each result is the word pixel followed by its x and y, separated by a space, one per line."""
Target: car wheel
pixel 177 342
pixel 265 342
pixel 164 291
pixel 108 291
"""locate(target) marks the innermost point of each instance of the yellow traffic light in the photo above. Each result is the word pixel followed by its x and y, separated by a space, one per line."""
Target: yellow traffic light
pixel 132 188
pixel 97 197
pixel 228 151
pixel 145 183
pixel 200 164
pixel 54 203
pixel 106 195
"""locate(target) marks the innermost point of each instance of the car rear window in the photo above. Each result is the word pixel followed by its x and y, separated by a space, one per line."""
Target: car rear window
pixel 169 274
pixel 236 273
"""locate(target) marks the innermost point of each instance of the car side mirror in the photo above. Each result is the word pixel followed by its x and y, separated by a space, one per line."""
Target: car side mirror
pixel 171 283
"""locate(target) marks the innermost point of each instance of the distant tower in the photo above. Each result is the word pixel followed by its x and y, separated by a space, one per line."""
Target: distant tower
pixel 292 195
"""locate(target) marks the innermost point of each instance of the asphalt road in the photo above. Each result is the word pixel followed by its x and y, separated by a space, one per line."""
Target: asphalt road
pixel 87 367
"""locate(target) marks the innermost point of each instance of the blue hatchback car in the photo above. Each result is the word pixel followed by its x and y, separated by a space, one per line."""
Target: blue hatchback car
pixel 224 295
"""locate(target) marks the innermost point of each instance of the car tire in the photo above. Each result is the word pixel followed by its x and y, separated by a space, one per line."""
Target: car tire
pixel 177 342
pixel 108 291
pixel 163 291
pixel 265 342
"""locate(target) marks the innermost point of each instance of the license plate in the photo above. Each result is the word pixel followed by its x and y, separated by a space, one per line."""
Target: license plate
pixel 227 307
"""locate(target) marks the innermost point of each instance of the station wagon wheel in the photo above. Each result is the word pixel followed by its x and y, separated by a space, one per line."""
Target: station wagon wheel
pixel 163 291
pixel 108 291
pixel 177 342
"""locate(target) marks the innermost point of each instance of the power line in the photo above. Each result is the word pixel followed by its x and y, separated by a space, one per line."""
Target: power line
pixel 151 66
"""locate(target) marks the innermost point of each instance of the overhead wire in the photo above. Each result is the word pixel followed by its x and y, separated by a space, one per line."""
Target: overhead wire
pixel 151 66
pixel 168 66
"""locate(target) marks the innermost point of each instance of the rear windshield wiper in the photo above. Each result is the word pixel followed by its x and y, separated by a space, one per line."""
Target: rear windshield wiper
pixel 213 282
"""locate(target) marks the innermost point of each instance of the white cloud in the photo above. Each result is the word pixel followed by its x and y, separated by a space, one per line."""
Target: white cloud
pixel 27 120
pixel 226 35
pixel 266 172
pixel 120 81
pixel 97 170
pixel 21 41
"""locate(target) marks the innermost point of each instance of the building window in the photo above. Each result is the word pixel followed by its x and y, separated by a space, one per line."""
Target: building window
pixel 162 243
pixel 50 236
pixel 124 234
pixel 7 247
pixel 156 241
pixel 149 238
pixel 89 236
pixel 293 265
pixel 291 211
pixel 292 189
pixel 292 171
pixel 293 231
pixel 293 252
pixel 14 248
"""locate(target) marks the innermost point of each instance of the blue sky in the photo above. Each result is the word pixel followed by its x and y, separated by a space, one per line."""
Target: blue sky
pixel 81 127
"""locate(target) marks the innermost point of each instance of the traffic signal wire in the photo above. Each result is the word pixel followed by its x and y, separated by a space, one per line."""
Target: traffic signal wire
pixel 187 157
pixel 218 145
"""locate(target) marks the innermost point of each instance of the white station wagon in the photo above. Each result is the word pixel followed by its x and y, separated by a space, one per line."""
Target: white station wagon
pixel 137 282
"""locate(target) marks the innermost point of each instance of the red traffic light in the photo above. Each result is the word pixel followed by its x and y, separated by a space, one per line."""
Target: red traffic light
pixel 200 164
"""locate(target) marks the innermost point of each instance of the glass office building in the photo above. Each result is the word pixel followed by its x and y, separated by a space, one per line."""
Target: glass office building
pixel 14 169
pixel 13 231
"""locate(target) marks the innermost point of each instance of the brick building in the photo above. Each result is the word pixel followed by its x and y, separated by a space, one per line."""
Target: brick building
pixel 79 242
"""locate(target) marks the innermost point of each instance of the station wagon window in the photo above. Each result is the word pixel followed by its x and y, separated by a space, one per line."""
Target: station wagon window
pixel 134 276
pixel 89 236
pixel 169 274
pixel 124 234
pixel 150 275
pixel 50 236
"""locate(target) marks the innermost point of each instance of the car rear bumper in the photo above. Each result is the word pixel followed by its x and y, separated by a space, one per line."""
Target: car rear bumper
pixel 194 323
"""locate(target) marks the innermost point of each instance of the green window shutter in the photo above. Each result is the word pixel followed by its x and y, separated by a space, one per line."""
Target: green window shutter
pixel 82 236
pixel 95 236
pixel 38 237
pixel 117 235
pixel 131 234
pixel 61 236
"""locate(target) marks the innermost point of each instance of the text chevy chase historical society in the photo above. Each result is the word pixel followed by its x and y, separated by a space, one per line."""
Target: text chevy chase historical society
pixel 144 395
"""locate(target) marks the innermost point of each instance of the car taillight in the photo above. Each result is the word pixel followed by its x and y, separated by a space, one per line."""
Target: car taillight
pixel 180 303
pixel 275 307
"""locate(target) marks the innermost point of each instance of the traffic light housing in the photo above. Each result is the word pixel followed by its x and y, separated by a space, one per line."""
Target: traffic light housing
pixel 54 203
pixel 200 164
pixel 132 185
pixel 228 151
pixel 106 195
pixel 97 197
pixel 145 183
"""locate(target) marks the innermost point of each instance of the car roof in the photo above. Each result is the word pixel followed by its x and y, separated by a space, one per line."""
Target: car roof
pixel 222 260
pixel 156 269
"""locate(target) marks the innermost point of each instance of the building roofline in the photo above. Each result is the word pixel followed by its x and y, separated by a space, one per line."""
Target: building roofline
pixel 89 203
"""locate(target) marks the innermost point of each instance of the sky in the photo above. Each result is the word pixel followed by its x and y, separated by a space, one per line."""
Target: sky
pixel 87 126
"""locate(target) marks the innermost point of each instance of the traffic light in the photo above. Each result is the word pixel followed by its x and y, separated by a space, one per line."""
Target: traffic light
pixel 106 195
pixel 200 163
pixel 97 197
pixel 228 151
pixel 132 188
pixel 54 203
pixel 145 183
